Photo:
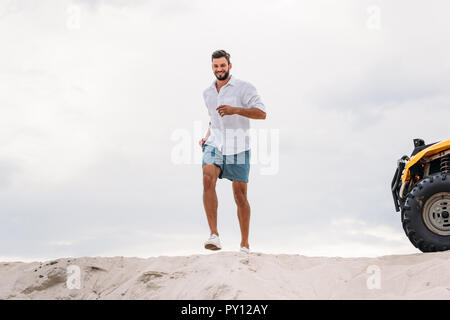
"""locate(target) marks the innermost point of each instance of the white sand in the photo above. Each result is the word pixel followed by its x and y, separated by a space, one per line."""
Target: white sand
pixel 231 275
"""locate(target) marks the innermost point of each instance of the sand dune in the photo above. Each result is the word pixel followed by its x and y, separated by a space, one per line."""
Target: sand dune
pixel 230 275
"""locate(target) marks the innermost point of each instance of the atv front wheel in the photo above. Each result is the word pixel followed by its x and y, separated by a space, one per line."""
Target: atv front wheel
pixel 425 214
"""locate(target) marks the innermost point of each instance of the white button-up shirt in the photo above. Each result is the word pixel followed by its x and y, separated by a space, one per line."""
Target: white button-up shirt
pixel 230 133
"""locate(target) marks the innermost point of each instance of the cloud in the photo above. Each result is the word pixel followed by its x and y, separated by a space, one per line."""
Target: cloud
pixel 86 124
pixel 8 170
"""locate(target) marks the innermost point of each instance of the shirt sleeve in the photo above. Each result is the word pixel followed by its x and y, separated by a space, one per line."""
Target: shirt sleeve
pixel 206 104
pixel 251 98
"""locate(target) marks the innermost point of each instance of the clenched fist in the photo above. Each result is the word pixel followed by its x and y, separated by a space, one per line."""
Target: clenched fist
pixel 225 110
pixel 202 141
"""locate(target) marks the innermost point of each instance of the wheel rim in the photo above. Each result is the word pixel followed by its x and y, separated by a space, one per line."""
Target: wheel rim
pixel 436 214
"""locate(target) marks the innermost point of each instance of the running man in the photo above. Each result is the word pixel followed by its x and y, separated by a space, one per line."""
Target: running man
pixel 231 103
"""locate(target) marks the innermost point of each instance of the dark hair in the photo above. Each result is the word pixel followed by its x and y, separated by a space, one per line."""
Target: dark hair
pixel 219 54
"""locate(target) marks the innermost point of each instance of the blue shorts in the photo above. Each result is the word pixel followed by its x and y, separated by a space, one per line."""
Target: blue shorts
pixel 234 167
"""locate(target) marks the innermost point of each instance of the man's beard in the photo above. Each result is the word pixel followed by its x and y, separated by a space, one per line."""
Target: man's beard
pixel 224 77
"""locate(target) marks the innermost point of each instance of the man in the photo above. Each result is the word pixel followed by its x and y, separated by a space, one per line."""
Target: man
pixel 226 147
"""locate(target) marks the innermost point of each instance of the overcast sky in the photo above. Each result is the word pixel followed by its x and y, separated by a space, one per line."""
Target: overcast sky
pixel 96 95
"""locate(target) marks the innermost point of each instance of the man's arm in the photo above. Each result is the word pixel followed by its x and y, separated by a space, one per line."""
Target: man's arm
pixel 252 113
pixel 209 131
pixel 252 107
pixel 203 140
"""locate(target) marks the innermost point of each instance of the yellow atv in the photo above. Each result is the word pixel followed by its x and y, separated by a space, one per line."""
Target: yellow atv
pixel 421 190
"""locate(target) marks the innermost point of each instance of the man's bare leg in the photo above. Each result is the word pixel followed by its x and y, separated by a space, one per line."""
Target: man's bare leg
pixel 243 210
pixel 210 174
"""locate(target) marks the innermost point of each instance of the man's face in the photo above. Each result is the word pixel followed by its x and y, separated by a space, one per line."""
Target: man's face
pixel 221 68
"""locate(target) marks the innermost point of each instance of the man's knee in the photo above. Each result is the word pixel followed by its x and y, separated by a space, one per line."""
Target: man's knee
pixel 240 196
pixel 209 176
pixel 209 182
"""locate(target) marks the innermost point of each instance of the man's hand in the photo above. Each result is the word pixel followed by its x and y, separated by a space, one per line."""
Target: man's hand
pixel 202 141
pixel 225 110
